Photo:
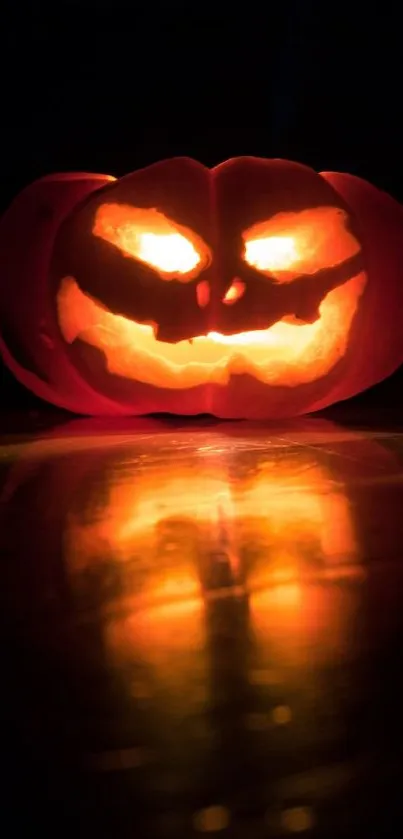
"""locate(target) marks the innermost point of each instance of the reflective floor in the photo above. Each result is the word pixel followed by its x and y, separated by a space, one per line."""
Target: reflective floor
pixel 201 629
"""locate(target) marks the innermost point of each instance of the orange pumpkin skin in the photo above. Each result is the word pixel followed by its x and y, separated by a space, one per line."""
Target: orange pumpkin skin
pixel 257 289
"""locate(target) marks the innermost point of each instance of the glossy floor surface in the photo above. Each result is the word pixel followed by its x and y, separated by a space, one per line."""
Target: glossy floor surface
pixel 201 630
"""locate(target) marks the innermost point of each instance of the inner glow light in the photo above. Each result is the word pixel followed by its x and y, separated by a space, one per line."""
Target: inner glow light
pixel 290 244
pixel 235 292
pixel 152 238
pixel 271 252
pixel 168 252
pixel 285 353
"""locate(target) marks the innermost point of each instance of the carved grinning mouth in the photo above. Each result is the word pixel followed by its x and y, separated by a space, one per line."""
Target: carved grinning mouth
pixel 285 353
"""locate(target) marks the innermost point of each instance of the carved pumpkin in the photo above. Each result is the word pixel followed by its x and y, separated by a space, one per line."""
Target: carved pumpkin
pixel 255 289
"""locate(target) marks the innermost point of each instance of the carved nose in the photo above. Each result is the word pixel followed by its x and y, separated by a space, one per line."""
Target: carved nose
pixel 234 292
pixel 203 293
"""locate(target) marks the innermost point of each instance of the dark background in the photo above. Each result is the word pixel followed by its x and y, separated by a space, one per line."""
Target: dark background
pixel 114 86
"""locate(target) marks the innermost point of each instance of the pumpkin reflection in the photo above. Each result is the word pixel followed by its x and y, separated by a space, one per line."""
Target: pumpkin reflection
pixel 305 625
pixel 182 535
pixel 284 516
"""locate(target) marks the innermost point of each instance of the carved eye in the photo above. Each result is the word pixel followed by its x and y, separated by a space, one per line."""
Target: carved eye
pixel 290 244
pixel 176 252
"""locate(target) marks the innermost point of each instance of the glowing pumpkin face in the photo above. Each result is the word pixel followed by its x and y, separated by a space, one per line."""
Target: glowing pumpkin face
pixel 247 290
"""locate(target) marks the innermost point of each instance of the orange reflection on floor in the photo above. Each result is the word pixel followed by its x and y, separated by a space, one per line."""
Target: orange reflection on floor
pixel 281 532
pixel 167 641
pixel 275 517
pixel 304 623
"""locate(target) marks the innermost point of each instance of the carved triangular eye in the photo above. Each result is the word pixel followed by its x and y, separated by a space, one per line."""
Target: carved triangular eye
pixel 174 251
pixel 291 244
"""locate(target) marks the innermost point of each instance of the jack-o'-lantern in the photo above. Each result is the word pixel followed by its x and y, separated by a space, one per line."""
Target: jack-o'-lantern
pixel 255 289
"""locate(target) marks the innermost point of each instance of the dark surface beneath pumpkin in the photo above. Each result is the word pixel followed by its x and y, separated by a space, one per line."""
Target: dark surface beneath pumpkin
pixel 201 627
